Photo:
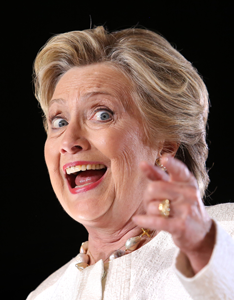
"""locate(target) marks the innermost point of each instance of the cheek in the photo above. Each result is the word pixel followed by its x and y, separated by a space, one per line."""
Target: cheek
pixel 123 147
pixel 46 151
pixel 48 154
pixel 52 160
pixel 116 143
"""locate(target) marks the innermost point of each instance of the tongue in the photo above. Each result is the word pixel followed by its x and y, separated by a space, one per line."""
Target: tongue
pixel 87 177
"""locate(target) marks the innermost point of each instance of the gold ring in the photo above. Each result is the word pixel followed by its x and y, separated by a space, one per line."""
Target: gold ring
pixel 164 208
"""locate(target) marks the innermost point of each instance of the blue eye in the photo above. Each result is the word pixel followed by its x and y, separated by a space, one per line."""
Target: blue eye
pixel 103 115
pixel 58 123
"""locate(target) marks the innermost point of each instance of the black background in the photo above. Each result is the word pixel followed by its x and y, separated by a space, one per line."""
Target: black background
pixel 37 236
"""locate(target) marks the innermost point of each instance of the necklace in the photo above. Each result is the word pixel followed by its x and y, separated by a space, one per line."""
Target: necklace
pixel 131 244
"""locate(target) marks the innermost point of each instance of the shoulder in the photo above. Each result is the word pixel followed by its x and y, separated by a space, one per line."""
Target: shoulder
pixel 47 287
pixel 223 215
pixel 221 212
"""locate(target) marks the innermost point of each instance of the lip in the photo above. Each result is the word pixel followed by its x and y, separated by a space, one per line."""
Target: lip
pixel 87 187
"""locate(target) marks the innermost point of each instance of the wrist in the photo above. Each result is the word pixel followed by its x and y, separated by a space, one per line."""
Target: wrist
pixel 200 256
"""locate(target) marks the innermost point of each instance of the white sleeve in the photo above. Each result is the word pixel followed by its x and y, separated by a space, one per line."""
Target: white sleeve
pixel 216 279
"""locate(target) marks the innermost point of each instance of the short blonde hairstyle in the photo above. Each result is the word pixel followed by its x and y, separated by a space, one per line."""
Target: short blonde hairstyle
pixel 171 97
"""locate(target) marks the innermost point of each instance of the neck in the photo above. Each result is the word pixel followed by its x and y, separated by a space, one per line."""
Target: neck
pixel 102 243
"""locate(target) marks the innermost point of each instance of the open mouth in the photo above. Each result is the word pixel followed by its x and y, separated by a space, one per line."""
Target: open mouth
pixel 84 176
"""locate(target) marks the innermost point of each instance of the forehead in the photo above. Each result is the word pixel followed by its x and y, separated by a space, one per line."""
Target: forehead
pixel 80 82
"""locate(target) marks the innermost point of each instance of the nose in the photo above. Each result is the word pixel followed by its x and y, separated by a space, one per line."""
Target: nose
pixel 73 140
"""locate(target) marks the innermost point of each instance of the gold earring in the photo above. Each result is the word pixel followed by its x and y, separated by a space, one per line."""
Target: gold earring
pixel 158 163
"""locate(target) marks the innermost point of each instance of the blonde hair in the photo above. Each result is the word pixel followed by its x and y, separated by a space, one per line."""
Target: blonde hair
pixel 171 97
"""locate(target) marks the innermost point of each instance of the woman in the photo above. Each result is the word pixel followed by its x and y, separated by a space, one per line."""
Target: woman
pixel 125 116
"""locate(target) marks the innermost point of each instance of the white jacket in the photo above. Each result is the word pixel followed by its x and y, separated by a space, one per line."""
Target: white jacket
pixel 150 272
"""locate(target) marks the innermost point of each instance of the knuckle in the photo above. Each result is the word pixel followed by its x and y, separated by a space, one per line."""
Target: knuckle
pixel 155 188
pixel 190 209
pixel 182 226
pixel 151 187
pixel 187 209
pixel 192 193
pixel 181 169
pixel 152 222
pixel 152 207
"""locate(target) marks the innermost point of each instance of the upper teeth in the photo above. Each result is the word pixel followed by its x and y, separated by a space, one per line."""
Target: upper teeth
pixel 71 170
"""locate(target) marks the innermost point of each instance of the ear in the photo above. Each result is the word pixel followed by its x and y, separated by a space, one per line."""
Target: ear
pixel 169 148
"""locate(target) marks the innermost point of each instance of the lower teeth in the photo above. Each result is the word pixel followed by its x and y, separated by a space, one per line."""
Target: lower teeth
pixel 79 186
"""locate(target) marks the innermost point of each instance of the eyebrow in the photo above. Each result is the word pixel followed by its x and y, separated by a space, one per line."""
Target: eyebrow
pixel 84 97
pixel 95 93
pixel 59 100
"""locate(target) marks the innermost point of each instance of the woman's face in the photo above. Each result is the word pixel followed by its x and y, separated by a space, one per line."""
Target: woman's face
pixel 91 128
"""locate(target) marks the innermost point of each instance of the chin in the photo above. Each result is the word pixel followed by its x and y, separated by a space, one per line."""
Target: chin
pixel 87 210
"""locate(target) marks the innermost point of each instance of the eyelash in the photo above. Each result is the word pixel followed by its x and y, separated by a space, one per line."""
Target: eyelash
pixel 52 119
pixel 104 109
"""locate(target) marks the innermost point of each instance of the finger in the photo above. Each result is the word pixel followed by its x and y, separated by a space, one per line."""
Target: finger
pixel 178 171
pixel 155 223
pixel 160 190
pixel 153 209
pixel 153 172
pixel 176 209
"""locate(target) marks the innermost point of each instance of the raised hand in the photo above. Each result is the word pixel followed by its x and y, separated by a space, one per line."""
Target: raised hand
pixel 191 228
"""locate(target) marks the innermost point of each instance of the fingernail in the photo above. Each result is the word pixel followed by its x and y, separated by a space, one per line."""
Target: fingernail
pixel 143 163
pixel 165 159
pixel 135 218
